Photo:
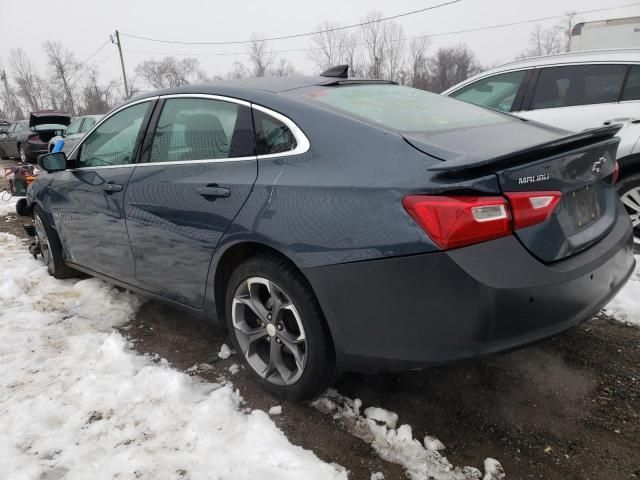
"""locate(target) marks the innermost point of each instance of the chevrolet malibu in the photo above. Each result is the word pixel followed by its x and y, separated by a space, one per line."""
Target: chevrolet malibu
pixel 337 224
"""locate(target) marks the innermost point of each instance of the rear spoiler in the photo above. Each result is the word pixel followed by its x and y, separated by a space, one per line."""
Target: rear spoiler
pixel 547 149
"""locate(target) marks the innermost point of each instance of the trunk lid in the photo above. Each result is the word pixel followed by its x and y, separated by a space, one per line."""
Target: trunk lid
pixel 580 166
pixel 49 117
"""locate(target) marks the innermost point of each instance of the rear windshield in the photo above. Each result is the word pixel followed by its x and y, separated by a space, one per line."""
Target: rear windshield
pixel 404 109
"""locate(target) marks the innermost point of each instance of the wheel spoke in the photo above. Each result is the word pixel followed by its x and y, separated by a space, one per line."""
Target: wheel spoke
pixel 293 346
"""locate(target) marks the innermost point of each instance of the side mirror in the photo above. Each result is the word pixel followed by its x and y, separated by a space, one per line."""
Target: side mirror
pixel 53 162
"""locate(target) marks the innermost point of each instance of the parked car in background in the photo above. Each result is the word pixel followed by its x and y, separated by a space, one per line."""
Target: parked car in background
pixel 572 91
pixel 4 124
pixel 326 221
pixel 27 139
pixel 74 132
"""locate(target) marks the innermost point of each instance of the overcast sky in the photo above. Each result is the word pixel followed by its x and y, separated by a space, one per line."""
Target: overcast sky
pixel 83 25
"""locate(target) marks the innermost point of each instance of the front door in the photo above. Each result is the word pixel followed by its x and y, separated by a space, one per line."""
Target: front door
pixel 88 202
pixel 199 170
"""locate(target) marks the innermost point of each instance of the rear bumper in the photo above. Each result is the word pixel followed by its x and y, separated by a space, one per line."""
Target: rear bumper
pixel 34 150
pixel 415 311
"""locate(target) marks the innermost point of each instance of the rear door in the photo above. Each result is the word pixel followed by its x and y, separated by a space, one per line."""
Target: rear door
pixel 577 97
pixel 198 168
pixel 8 142
pixel 87 201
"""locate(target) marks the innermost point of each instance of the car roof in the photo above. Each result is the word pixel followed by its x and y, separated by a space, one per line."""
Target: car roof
pixel 587 56
pixel 252 89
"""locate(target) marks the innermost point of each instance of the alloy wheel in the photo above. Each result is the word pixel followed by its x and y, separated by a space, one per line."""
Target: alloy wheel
pixel 269 331
pixel 23 155
pixel 631 201
pixel 43 241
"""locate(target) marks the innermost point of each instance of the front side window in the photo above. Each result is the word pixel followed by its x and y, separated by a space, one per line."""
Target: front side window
pixel 498 91
pixel 74 127
pixel 272 136
pixel 201 129
pixel 88 124
pixel 632 88
pixel 12 128
pixel 404 109
pixel 113 142
pixel 578 85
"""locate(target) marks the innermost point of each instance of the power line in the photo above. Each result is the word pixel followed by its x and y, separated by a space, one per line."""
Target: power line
pixel 297 35
pixel 95 53
pixel 453 32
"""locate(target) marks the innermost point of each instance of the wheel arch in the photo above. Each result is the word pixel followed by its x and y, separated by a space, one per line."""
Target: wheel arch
pixel 230 259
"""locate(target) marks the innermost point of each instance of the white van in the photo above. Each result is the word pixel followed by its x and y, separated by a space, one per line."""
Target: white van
pixel 573 91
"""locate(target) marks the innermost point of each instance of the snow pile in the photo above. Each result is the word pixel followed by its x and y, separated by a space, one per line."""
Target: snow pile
pixel 625 307
pixel 225 352
pixel 76 402
pixel 398 445
pixel 8 204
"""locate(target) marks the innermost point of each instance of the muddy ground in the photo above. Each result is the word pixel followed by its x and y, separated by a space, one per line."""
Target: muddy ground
pixel 567 408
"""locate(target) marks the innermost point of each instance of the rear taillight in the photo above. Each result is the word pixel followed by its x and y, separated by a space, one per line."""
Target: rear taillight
pixel 616 173
pixel 464 220
pixel 33 137
pixel 457 221
pixel 529 208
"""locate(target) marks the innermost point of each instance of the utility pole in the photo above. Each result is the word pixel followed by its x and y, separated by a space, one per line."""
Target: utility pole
pixel 124 74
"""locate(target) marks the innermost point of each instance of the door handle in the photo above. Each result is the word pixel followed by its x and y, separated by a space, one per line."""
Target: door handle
pixel 111 187
pixel 214 192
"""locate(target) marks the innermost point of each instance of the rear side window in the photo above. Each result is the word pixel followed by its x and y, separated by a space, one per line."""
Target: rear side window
pixel 497 91
pixel 272 136
pixel 632 88
pixel 202 129
pixel 404 109
pixel 578 85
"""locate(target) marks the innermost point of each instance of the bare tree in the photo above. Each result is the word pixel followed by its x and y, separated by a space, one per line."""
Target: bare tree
pixel 259 57
pixel 11 106
pixel 97 98
pixel 64 69
pixel 418 62
pixel 394 44
pixel 282 68
pixel 170 72
pixel 329 47
pixel 352 55
pixel 566 27
pixel 373 38
pixel 451 65
pixel 30 85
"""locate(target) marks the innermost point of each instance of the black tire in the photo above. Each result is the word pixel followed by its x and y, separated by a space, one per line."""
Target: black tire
pixel 319 367
pixel 55 260
pixel 22 155
pixel 3 155
pixel 624 186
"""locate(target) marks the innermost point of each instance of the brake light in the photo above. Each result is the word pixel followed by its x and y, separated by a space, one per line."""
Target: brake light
pixel 530 208
pixel 616 173
pixel 457 221
pixel 33 137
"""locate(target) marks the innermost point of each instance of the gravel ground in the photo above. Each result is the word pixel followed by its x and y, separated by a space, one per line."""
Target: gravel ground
pixel 566 408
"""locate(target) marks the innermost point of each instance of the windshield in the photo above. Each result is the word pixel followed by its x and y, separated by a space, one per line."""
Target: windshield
pixel 404 109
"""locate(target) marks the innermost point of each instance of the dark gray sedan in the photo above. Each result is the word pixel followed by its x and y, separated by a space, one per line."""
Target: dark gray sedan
pixel 331 223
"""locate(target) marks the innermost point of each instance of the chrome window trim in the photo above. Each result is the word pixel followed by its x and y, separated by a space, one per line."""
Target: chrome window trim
pixel 192 162
pixel 209 96
pixel 302 142
pixel 102 120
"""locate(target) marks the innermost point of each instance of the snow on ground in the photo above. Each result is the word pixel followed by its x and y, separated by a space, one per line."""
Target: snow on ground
pixel 7 204
pixel 625 307
pixel 397 445
pixel 77 402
